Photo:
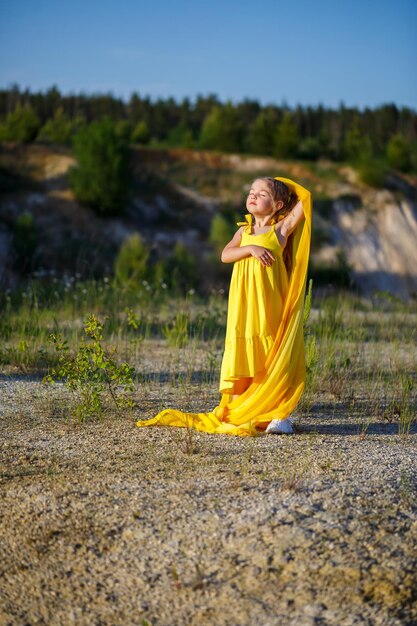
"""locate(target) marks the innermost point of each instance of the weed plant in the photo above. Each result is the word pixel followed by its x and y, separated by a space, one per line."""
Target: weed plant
pixel 92 372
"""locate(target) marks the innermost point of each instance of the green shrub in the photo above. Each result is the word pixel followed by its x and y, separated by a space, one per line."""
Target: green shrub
pixel 141 133
pixel 59 129
pixel 222 130
pixel 92 373
pixel 373 172
pixel 399 153
pixel 102 178
pixel 22 125
pixel 180 137
pixel 131 263
pixel 124 129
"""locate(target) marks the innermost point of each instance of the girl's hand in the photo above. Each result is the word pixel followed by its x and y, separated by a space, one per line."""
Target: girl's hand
pixel 263 255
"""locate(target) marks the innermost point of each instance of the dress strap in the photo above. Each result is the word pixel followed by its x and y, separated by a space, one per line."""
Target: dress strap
pixel 248 223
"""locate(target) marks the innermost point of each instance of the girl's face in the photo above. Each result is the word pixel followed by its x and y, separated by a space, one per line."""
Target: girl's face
pixel 259 200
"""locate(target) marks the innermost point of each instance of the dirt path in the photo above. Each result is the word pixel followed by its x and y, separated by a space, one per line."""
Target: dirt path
pixel 108 524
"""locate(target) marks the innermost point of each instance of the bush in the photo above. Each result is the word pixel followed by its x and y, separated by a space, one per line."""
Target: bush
pixel 92 373
pixel 180 137
pixel 373 172
pixel 102 178
pixel 59 129
pixel 141 133
pixel 399 153
pixel 22 125
pixel 124 129
pixel 131 264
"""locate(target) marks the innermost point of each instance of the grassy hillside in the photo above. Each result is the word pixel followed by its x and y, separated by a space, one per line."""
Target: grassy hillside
pixel 176 194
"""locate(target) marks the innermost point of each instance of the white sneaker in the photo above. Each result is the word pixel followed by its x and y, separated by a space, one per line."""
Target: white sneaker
pixel 280 426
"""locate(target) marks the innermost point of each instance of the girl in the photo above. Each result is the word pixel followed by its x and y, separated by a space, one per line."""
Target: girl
pixel 263 368
pixel 259 284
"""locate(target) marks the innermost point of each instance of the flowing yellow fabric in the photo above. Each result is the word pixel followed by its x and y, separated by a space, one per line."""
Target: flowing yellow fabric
pixel 276 391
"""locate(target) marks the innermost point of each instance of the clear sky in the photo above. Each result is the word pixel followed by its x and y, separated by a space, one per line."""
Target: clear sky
pixel 309 52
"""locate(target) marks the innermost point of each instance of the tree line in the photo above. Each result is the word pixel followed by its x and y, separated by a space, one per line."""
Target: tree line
pixel 384 134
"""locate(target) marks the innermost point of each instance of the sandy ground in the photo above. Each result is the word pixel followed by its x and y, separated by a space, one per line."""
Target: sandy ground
pixel 104 523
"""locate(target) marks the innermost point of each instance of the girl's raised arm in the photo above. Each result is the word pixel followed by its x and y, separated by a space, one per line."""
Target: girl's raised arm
pixel 291 221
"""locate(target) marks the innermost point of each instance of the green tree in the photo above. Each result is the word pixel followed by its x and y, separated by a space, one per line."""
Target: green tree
pixel 22 125
pixel 286 138
pixel 222 130
pixel 310 149
pixel 180 137
pixel 357 146
pixel 131 263
pixel 124 130
pixel 59 129
pixel 261 133
pixel 141 133
pixel 103 176
pixel 399 153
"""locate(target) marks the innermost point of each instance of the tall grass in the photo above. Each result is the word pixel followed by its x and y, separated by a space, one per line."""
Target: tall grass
pixel 360 353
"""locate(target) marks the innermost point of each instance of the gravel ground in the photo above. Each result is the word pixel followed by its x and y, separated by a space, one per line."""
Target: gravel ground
pixel 104 523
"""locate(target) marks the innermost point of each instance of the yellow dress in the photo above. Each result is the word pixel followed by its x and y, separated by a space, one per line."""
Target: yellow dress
pixel 256 303
pixel 277 386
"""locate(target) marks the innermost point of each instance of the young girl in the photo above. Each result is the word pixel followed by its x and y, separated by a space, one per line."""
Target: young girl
pixel 259 284
pixel 263 368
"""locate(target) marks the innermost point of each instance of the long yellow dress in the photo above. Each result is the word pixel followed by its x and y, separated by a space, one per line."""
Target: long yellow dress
pixel 279 379
pixel 256 303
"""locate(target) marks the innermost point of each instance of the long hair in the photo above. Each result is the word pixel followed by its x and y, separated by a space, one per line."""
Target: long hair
pixel 278 191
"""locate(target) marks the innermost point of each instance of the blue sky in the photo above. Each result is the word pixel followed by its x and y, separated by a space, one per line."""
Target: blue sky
pixel 307 52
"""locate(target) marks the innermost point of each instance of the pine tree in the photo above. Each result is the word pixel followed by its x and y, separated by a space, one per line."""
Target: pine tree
pixel 102 178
